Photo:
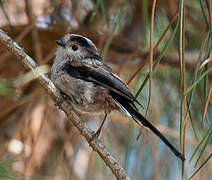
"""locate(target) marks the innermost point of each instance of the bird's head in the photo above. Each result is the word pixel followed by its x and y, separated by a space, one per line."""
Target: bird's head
pixel 77 47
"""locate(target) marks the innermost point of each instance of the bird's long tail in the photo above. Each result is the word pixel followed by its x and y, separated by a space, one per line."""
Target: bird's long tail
pixel 131 110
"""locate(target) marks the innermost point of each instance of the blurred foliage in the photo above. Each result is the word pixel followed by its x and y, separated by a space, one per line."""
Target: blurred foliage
pixel 48 147
pixel 5 171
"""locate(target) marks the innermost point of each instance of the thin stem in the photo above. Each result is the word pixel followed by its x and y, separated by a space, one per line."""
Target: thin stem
pixel 151 55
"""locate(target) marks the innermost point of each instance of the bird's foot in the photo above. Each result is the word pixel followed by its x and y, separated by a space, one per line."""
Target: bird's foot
pixel 63 97
pixel 61 100
pixel 95 135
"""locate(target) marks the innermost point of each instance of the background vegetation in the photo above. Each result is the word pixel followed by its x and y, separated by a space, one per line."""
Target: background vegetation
pixel 36 139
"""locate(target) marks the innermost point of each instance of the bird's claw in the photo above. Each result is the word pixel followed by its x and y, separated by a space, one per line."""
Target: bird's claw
pixel 95 135
pixel 61 100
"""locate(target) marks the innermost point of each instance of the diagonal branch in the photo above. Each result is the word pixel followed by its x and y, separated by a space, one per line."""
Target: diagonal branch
pixel 96 144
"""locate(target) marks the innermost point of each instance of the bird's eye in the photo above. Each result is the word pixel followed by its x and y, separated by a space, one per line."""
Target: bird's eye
pixel 74 47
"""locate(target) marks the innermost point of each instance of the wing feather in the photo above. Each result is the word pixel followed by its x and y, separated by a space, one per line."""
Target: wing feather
pixel 98 74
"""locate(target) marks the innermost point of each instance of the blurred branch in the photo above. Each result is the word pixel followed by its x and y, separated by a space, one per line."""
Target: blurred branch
pixel 20 37
pixel 118 50
pixel 163 129
pixel 96 144
pixel 171 60
pixel 154 49
pixel 5 13
pixel 35 35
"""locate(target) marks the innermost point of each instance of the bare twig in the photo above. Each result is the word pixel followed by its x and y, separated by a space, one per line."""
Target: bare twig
pixel 205 62
pixel 182 78
pixel 96 144
pixel 151 52
pixel 206 103
pixel 151 55
pixel 210 16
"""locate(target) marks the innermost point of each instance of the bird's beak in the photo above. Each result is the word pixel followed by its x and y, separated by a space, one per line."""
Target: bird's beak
pixel 60 42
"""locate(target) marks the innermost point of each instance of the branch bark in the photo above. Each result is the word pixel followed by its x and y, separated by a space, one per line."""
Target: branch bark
pixel 96 144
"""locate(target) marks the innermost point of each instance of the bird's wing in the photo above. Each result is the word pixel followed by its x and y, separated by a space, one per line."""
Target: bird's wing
pixel 99 74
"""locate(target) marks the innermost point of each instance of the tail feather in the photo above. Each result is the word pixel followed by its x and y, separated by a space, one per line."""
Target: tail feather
pixel 130 109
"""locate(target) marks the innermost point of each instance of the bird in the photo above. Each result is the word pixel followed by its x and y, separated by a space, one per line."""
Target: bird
pixel 91 86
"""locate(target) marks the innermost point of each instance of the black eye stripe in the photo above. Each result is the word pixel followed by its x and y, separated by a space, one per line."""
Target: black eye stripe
pixel 81 41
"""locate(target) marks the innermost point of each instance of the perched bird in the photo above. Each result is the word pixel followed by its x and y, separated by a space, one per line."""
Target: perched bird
pixel 81 75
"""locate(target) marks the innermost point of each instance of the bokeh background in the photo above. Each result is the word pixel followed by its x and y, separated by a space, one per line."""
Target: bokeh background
pixel 36 139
